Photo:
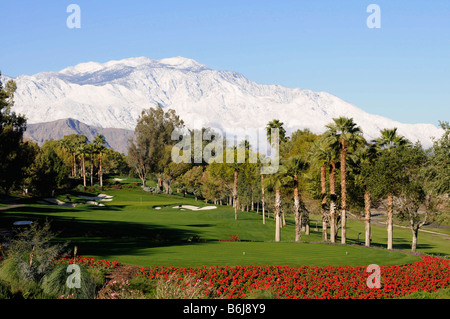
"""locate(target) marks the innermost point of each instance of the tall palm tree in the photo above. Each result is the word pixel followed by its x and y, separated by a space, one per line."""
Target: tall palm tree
pixel 99 145
pixel 344 133
pixel 361 162
pixel 321 155
pixel 333 201
pixel 262 199
pixel 295 166
pixel 276 181
pixel 275 132
pixel 91 152
pixel 68 144
pixel 82 151
pixel 389 138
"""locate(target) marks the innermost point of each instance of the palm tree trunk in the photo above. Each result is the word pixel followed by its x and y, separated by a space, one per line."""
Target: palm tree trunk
pixel 235 193
pixel 343 192
pixel 298 219
pixel 252 207
pixel 323 182
pixel 277 214
pixel 367 216
pixel 74 165
pixel 84 171
pixel 262 200
pixel 333 202
pixel 389 224
pixel 415 232
pixel 100 172
pixel 92 171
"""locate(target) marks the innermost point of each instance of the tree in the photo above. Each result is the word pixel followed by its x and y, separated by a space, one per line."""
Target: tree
pixel 295 166
pixel 99 146
pixel 153 133
pixel 82 150
pixel 193 180
pixel 413 195
pixel 321 155
pixel 12 127
pixel 275 132
pixel 388 141
pixel 345 133
pixel 48 172
pixel 72 143
pixel 91 151
pixel 436 173
pixel 362 161
pixel 114 162
pixel 275 182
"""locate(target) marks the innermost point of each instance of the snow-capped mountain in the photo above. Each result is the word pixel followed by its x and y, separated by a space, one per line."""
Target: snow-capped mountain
pixel 113 94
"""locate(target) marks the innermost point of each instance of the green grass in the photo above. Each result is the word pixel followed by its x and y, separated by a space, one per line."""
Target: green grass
pixel 130 230
pixel 440 294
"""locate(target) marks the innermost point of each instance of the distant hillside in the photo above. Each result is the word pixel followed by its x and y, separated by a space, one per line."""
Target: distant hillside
pixel 116 138
pixel 114 93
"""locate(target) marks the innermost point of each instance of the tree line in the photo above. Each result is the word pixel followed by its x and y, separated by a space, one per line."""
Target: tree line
pixel 334 174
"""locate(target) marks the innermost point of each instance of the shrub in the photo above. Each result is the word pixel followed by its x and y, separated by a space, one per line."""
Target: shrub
pixel 31 253
pixel 5 291
pixel 179 286
pixel 146 285
pixel 119 290
pixel 55 283
pixel 263 294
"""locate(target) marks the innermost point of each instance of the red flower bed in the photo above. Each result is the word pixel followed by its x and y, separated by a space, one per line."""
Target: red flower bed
pixel 429 274
pixel 90 262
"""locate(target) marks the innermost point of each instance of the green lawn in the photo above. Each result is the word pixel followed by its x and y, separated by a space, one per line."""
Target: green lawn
pixel 130 230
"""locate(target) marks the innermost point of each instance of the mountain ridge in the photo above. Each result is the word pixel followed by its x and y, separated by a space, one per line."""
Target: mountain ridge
pixel 114 93
pixel 115 138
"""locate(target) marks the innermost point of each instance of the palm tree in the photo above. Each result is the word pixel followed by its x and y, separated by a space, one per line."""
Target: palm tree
pixel 82 150
pixel 275 132
pixel 276 181
pixel 91 151
pixel 99 145
pixel 320 154
pixel 344 133
pixel 333 201
pixel 68 144
pixel 262 199
pixel 361 162
pixel 388 140
pixel 295 166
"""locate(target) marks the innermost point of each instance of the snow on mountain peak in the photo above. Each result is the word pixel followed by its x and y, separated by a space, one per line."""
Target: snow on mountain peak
pixel 113 94
pixel 182 63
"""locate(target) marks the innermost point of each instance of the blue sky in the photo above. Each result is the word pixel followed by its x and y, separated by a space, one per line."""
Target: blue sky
pixel 401 70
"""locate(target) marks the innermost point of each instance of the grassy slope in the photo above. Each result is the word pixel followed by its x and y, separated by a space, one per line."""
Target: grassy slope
pixel 131 231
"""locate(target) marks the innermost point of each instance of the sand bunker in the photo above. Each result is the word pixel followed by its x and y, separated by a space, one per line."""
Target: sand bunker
pixel 101 197
pixel 57 202
pixel 191 207
pixel 91 200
